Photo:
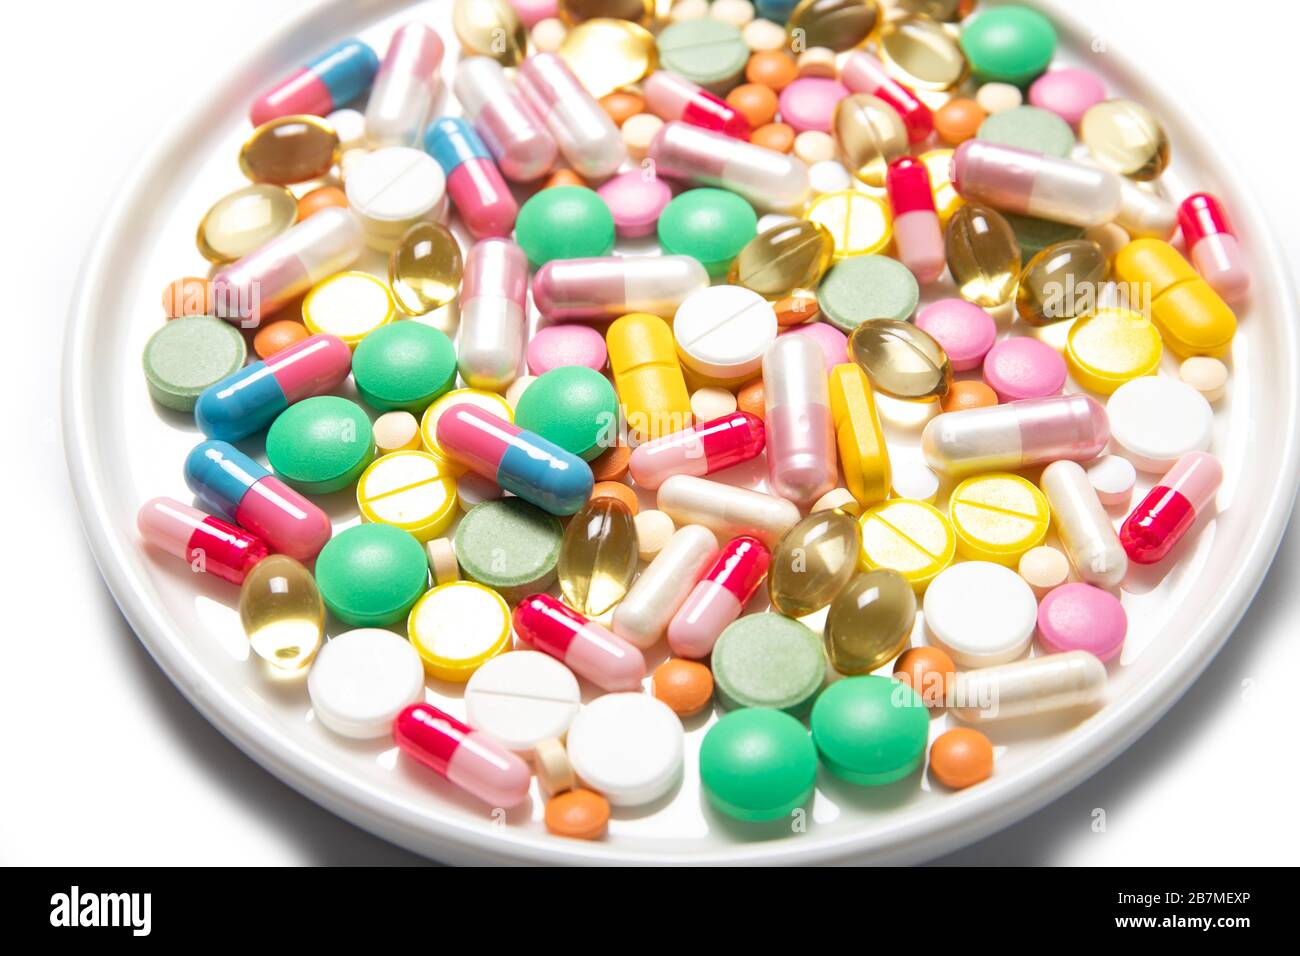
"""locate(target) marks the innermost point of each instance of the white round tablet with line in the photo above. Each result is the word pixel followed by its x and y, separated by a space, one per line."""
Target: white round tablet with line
pixel 723 331
pixel 1156 420
pixel 628 747
pixel 362 679
pixel 981 613
pixel 391 190
pixel 522 698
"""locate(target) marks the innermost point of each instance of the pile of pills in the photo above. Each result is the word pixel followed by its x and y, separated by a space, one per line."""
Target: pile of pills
pixel 550 466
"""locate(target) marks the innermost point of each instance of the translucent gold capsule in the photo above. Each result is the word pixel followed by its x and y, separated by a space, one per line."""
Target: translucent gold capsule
pixel 921 54
pixel 942 11
pixel 607 54
pixel 834 24
pixel 790 257
pixel 1064 281
pixel 637 11
pixel 245 220
pixel 869 624
pixel 901 360
pixel 425 269
pixel 282 613
pixel 983 255
pixel 490 28
pixel 1126 137
pixel 869 135
pixel 598 556
pixel 813 562
pixel 938 163
pixel 288 150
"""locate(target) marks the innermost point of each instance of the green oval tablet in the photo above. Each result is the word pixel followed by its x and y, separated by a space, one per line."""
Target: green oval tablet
pixel 867 287
pixel 510 546
pixel 187 355
pixel 758 764
pixel 564 222
pixel 320 445
pixel 710 52
pixel 1011 44
pixel 575 407
pixel 767 660
pixel 711 225
pixel 1028 127
pixel 403 366
pixel 371 575
pixel 870 730
pixel 1035 235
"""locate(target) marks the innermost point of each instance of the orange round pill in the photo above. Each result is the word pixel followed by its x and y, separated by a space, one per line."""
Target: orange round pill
pixel 187 296
pixel 577 814
pixel 964 395
pixel 958 120
pixel 776 136
pixel 775 69
pixel 928 671
pixel 612 464
pixel 621 105
pixel 961 757
pixel 685 686
pixel 756 102
pixel 278 336
pixel 563 177
pixel 616 489
pixel 326 197
pixel 796 310
pixel 750 398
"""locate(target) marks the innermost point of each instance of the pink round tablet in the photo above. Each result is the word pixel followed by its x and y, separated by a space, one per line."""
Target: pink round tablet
pixel 1024 368
pixel 965 331
pixel 834 343
pixel 530 11
pixel 557 346
pixel 1068 93
pixel 1080 617
pixel 636 199
pixel 809 103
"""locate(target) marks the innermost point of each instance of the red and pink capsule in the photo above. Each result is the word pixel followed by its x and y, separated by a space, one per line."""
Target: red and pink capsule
pixel 917 234
pixel 863 73
pixel 471 760
pixel 207 543
pixel 699 451
pixel 674 97
pixel 589 650
pixel 1213 247
pixel 1171 507
pixel 719 597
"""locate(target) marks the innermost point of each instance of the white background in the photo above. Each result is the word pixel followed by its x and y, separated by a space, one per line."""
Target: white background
pixel 103 762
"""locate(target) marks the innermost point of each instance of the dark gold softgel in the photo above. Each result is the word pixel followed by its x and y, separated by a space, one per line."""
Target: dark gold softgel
pixel 784 260
pixel 288 150
pixel 813 562
pixel 870 622
pixel 983 255
pixel 901 360
pixel 1063 281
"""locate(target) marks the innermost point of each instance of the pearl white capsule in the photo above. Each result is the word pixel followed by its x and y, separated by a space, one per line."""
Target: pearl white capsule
pixel 1034 686
pixel 1083 525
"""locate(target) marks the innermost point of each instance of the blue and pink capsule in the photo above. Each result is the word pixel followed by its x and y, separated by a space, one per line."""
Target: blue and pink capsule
pixel 331 81
pixel 474 183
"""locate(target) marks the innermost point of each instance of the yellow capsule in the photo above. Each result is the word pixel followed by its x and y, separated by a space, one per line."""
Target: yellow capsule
pixel 425 269
pixel 291 149
pixel 910 537
pixel 938 163
pixel 813 562
pixel 598 556
pixel 608 54
pixel 870 622
pixel 790 257
pixel 282 613
pixel 350 305
pixel 998 518
pixel 834 24
pixel 490 28
pixel 859 224
pixel 901 360
pixel 1110 347
pixel 457 627
pixel 648 376
pixel 1064 281
pixel 983 255
pixel 244 221
pixel 1126 137
pixel 869 135
pixel 1191 317
pixel 637 11
pixel 864 456
pixel 922 54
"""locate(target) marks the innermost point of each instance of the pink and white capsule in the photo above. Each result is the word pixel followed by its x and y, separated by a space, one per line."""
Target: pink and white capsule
pixel 586 135
pixel 471 760
pixel 771 181
pixel 1213 247
pixel 699 450
pixel 797 416
pixel 592 290
pixel 589 649
pixel 719 598
pixel 404 88
pixel 513 132
pixel 917 234
pixel 1033 184
pixel 492 314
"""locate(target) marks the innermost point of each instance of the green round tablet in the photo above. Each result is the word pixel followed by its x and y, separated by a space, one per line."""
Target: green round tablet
pixel 867 287
pixel 1028 127
pixel 767 660
pixel 1035 235
pixel 371 575
pixel 509 545
pixel 711 225
pixel 574 406
pixel 1012 44
pixel 758 764
pixel 403 366
pixel 564 222
pixel 187 355
pixel 710 52
pixel 870 730
pixel 320 445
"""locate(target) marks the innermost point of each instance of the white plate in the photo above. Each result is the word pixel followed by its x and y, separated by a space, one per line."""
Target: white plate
pixel 122 451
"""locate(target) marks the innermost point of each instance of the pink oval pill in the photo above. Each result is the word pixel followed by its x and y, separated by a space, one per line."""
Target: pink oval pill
pixel 1080 617
pixel 559 345
pixel 530 11
pixel 965 331
pixel 636 199
pixel 809 103
pixel 834 343
pixel 1024 368
pixel 1068 93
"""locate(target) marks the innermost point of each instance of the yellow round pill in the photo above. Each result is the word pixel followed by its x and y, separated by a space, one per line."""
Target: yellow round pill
pixel 910 537
pixel 998 518
pixel 938 163
pixel 858 223
pixel 411 490
pixel 458 627
pixel 488 401
pixel 350 305
pixel 1110 347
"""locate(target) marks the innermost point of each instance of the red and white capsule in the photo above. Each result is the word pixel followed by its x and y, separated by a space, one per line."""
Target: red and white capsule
pixel 917 233
pixel 863 73
pixel 1213 247
pixel 209 544
pixel 590 650
pixel 1171 507
pixel 797 415
pixel 674 97
pixel 719 597
pixel 701 450
pixel 471 760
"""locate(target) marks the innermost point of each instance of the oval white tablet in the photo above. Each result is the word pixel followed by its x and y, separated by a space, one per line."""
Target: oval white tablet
pixel 1113 478
pixel 362 679
pixel 723 331
pixel 1156 420
pixel 628 747
pixel 981 613
pixel 522 698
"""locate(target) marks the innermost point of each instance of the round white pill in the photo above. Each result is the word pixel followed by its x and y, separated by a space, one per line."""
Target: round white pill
pixel 362 679
pixel 817 61
pixel 723 331
pixel 638 132
pixel 396 431
pixel 981 613
pixel 392 189
pixel 689 10
pixel 522 698
pixel 840 498
pixel 762 35
pixel 473 489
pixel 351 127
pixel 735 12
pixel 1156 420
pixel 554 771
pixel 1113 478
pixel 814 146
pixel 548 34
pixel 628 747
pixel 1044 568
pixel 911 479
pixel 828 176
pixel 1207 375
pixel 996 97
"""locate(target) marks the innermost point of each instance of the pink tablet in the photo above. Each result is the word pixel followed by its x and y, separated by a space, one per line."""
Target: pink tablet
pixel 834 343
pixel 809 103
pixel 1080 617
pixel 559 345
pixel 636 198
pixel 1024 368
pixel 1068 93
pixel 965 331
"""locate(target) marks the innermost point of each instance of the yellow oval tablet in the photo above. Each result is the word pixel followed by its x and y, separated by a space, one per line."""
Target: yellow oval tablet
pixel 1110 347
pixel 998 518
pixel 350 305
pixel 457 627
pixel 910 537
pixel 858 223
pixel 411 490
pixel 488 401
pixel 938 163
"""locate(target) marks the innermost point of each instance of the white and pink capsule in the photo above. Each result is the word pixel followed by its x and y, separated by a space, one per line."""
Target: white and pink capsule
pixel 407 81
pixel 493 314
pixel 586 135
pixel 1213 247
pixel 599 289
pixel 771 181
pixel 801 460
pixel 471 760
pixel 719 597
pixel 589 649
pixel 699 450
pixel 512 130
pixel 917 234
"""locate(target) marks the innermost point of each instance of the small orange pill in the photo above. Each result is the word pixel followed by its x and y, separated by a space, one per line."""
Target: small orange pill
pixel 577 814
pixel 775 136
pixel 325 197
pixel 756 102
pixel 278 336
pixel 685 686
pixel 612 464
pixel 963 395
pixel 958 120
pixel 796 310
pixel 616 489
pixel 775 69
pixel 961 757
pixel 750 398
pixel 563 177
pixel 928 671
pixel 622 105
pixel 187 296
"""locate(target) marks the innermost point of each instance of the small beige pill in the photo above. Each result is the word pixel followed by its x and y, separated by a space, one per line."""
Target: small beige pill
pixel 548 34
pixel 763 36
pixel 689 10
pixel 817 61
pixel 997 97
pixel 653 529
pixel 1111 236
pixel 710 403
pixel 516 389
pixel 838 498
pixel 396 431
pixel 814 146
pixel 1044 568
pixel 1207 375
pixel 442 561
pixel 736 12
pixel 554 771
pixel 638 131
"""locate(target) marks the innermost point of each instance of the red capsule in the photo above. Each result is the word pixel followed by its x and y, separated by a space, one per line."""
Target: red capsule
pixel 589 649
pixel 473 761
pixel 701 450
pixel 719 597
pixel 1169 509
pixel 207 543
pixel 1213 247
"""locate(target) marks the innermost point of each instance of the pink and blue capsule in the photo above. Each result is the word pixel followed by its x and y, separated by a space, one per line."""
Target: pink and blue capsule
pixel 473 180
pixel 1213 247
pixel 250 399
pixel 521 462
pixel 586 135
pixel 514 133
pixel 331 81
pixel 404 89
pixel 228 482
pixel 207 544
pixel 917 234
pixel 468 758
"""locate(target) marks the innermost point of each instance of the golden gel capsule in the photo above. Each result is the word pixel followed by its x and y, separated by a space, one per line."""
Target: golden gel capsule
pixel 1064 281
pixel 282 613
pixel 813 562
pixel 1125 137
pixel 864 455
pixel 425 269
pixel 869 135
pixel 598 556
pixel 983 255
pixel 870 622
pixel 637 11
pixel 835 24
pixel 1191 317
pixel 922 54
pixel 607 54
pixel 790 257
pixel 489 28
pixel 244 221
pixel 288 150
pixel 901 360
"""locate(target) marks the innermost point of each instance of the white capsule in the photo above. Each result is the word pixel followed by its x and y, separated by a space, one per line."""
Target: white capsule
pixel 1083 525
pixel 642 616
pixel 586 135
pixel 404 87
pixel 725 510
pixel 771 181
pixel 514 134
pixel 1033 184
pixel 1034 686
pixel 585 290
pixel 492 324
